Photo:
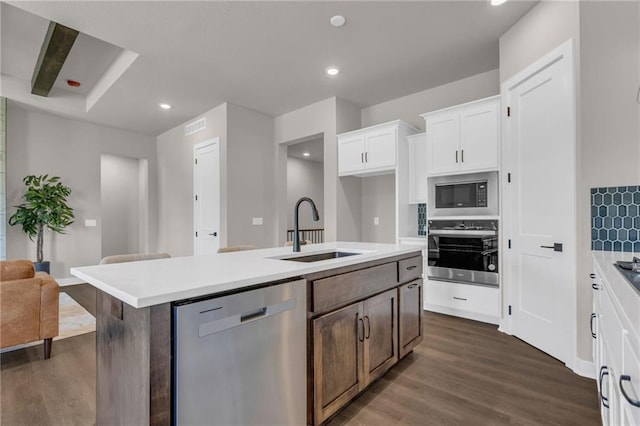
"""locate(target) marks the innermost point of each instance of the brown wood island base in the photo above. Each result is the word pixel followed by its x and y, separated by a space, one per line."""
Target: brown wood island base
pixel 362 319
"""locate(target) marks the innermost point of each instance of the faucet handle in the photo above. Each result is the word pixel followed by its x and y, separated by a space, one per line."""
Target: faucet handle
pixel 635 264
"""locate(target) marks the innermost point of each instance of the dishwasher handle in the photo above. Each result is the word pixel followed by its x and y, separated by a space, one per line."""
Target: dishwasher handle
pixel 246 317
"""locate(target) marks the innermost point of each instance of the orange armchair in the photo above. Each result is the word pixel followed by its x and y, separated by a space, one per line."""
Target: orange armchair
pixel 28 305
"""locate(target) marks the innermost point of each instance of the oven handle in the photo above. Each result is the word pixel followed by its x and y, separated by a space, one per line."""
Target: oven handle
pixel 488 252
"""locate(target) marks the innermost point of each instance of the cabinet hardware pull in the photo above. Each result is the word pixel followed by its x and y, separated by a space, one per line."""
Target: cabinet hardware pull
pixel 362 157
pixel 361 322
pixel 592 276
pixel 366 157
pixel 626 378
pixel 462 156
pixel 595 286
pixel 368 327
pixel 603 372
pixel 593 316
pixel 413 285
pixel 459 298
pixel 456 155
pixel 409 268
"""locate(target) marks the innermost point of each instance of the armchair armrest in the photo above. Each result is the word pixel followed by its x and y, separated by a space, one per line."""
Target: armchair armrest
pixel 49 315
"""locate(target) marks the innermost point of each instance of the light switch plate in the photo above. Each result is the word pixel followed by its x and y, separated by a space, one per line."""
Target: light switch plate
pixel 90 223
pixel 376 220
pixel 257 221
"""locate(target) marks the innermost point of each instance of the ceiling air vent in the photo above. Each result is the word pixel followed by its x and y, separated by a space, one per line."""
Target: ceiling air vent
pixel 196 126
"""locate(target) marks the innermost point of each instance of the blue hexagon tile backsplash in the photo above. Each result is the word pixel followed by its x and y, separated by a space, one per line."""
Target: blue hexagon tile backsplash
pixel 615 218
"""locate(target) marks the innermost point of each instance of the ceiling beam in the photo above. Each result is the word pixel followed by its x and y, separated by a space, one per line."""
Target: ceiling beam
pixel 55 48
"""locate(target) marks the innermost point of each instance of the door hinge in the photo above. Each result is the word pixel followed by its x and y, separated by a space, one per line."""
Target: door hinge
pixel 509 243
pixel 196 161
pixel 508 111
pixel 508 177
pixel 509 309
pixel 196 233
pixel 196 198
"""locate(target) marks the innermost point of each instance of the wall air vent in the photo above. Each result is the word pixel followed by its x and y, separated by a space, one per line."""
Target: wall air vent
pixel 195 126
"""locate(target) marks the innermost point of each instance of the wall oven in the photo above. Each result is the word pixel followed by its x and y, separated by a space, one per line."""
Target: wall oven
pixel 464 251
pixel 464 195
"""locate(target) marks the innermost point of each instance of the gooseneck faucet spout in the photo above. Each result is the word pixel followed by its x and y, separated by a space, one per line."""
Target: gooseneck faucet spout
pixel 296 229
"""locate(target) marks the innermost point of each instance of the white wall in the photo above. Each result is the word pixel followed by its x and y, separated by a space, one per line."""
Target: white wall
pixel 39 143
pixel 175 182
pixel 379 200
pixel 120 200
pixel 608 119
pixel 250 177
pixel 305 179
pixel 409 108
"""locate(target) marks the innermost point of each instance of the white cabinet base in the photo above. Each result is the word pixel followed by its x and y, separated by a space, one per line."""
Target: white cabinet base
pixel 463 300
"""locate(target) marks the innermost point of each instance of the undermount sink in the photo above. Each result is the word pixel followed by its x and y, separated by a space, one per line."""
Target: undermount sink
pixel 320 256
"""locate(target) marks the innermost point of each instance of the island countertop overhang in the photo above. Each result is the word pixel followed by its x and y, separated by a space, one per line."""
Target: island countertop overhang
pixel 153 282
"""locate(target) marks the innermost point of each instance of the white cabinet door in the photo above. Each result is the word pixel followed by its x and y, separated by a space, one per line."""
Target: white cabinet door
pixel 443 136
pixel 417 168
pixel 351 154
pixel 479 135
pixel 380 148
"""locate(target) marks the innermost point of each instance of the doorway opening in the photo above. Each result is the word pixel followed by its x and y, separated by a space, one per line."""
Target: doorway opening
pixel 305 178
pixel 124 199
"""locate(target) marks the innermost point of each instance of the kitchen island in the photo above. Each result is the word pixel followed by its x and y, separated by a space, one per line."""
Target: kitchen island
pixel 363 313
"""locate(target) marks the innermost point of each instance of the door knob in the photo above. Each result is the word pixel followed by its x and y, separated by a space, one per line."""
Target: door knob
pixel 555 247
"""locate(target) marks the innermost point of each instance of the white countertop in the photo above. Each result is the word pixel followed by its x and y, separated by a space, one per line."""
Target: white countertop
pixel 606 260
pixel 152 282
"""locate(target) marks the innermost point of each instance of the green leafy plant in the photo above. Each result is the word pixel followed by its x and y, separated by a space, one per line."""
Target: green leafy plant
pixel 45 207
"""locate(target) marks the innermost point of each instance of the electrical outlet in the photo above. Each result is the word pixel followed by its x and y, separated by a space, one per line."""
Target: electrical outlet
pixel 376 220
pixel 257 221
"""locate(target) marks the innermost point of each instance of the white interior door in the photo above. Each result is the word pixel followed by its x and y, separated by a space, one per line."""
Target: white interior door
pixel 539 206
pixel 206 186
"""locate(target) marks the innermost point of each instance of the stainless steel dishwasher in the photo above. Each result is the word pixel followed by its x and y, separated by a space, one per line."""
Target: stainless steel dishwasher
pixel 241 359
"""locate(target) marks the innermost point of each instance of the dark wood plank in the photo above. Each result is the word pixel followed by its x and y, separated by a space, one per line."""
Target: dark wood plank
pixel 56 46
pixel 340 290
pixel 381 334
pixel 160 364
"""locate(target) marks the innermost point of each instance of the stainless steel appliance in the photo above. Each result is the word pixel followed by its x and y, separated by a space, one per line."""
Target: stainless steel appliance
pixel 464 251
pixel 463 195
pixel 241 359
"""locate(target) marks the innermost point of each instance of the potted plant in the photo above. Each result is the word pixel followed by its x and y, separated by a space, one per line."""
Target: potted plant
pixel 45 207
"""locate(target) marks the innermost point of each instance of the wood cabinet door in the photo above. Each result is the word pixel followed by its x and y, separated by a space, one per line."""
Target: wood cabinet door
pixel 381 334
pixel 380 147
pixel 443 139
pixel 479 136
pixel 410 316
pixel 337 349
pixel 351 154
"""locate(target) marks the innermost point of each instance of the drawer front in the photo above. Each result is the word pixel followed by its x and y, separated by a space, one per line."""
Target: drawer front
pixel 631 368
pixel 481 300
pixel 410 269
pixel 341 289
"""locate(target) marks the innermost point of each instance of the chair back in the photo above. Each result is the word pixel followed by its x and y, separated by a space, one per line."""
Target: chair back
pixel 16 270
pixel 123 258
pixel 230 249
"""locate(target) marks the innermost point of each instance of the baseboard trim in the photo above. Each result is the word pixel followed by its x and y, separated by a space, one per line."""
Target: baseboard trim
pixel 62 282
pixel 584 368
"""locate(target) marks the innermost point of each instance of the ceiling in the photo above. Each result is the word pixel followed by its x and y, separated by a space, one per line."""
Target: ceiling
pixel 265 55
pixel 315 149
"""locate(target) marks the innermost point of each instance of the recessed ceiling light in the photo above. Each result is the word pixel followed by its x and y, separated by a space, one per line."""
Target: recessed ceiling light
pixel 338 21
pixel 497 2
pixel 306 154
pixel 165 106
pixel 332 70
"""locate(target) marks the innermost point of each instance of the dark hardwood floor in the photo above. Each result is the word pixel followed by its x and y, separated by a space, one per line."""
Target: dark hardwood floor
pixel 464 373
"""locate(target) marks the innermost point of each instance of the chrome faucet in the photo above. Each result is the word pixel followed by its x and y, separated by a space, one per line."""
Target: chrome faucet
pixel 296 229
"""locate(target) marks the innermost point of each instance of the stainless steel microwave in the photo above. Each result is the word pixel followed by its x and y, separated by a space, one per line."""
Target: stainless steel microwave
pixel 464 195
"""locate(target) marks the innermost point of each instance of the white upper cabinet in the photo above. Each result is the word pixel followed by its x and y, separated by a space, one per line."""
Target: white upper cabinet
pixel 372 150
pixel 464 138
pixel 417 168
